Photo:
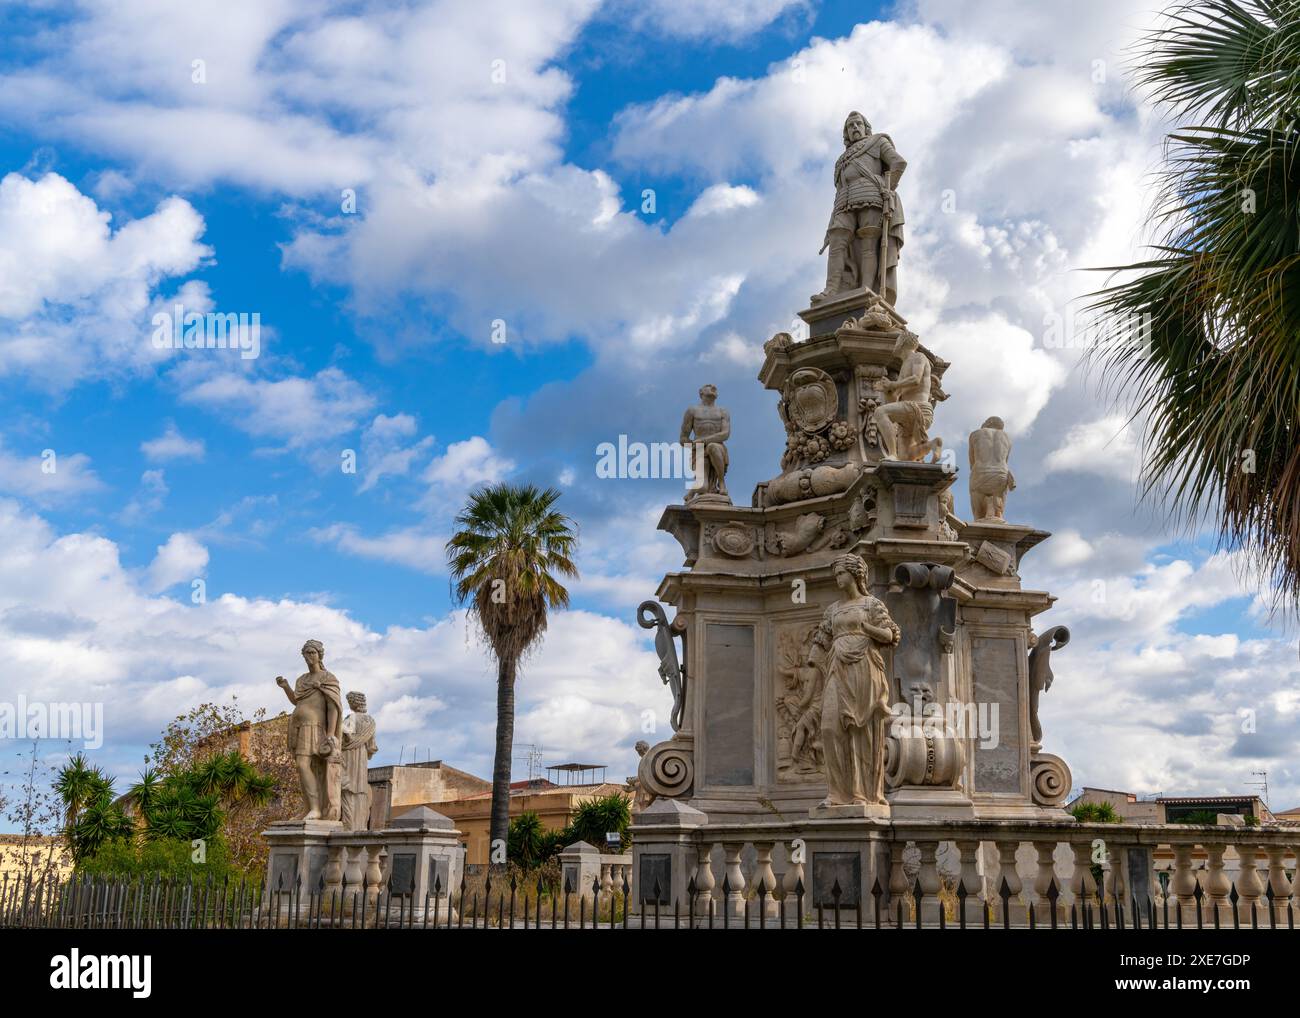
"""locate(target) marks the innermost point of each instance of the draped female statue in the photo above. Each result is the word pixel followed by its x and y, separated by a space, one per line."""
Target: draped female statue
pixel 854 699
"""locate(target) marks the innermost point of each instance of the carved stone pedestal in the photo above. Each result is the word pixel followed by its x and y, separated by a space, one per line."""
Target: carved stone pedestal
pixel 920 803
pixel 318 866
pixel 851 811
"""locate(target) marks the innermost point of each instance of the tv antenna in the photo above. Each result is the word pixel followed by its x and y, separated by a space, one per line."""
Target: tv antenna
pixel 532 756
pixel 1262 785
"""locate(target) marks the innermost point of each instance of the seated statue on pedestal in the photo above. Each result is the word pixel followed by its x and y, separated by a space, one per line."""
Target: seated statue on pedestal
pixel 904 423
pixel 711 427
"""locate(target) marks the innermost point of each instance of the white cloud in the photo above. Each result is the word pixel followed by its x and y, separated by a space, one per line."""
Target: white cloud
pixel 148 499
pixel 47 475
pixel 74 294
pixel 699 19
pixel 1107 447
pixel 297 411
pixel 383 453
pixel 411 547
pixel 77 625
pixel 172 445
pixel 182 558
pixel 466 464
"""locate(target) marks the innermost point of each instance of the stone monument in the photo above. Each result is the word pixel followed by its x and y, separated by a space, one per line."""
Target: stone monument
pixel 865 234
pixel 705 430
pixel 316 733
pixel 358 747
pixel 328 861
pixel 990 472
pixel 858 656
pixel 851 704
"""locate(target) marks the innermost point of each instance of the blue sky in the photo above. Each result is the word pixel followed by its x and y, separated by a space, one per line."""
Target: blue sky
pixel 127 185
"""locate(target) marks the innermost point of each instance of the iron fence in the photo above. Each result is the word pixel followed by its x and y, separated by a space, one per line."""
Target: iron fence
pixel 85 902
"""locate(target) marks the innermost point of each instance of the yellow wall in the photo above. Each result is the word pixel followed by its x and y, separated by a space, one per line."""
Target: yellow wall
pixel 19 854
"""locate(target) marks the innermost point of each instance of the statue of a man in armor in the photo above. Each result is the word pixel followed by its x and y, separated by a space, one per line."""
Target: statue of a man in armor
pixel 868 217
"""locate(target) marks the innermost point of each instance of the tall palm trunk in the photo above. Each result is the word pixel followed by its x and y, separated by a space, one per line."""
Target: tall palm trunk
pixel 505 745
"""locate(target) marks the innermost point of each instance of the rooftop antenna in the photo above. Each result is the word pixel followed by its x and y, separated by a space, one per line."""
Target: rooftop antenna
pixel 1262 784
pixel 532 755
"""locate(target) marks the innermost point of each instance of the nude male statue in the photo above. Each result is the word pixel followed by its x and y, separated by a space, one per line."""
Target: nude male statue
pixel 711 425
pixel 990 475
pixel 316 733
pixel 903 422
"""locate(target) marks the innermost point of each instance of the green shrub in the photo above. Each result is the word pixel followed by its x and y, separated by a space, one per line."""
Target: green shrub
pixel 1094 813
pixel 167 858
pixel 595 817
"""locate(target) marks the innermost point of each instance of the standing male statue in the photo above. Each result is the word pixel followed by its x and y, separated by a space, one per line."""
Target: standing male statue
pixel 990 473
pixel 316 733
pixel 711 427
pixel 358 747
pixel 868 218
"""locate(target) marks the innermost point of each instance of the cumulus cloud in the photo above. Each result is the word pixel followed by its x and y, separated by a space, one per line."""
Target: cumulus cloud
pixel 182 558
pixel 410 547
pixel 79 626
pixel 47 476
pixel 1106 446
pixel 298 411
pixel 383 452
pixel 73 291
pixel 172 445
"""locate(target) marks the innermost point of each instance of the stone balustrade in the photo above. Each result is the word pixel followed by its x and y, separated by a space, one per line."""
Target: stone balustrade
pixel 1003 872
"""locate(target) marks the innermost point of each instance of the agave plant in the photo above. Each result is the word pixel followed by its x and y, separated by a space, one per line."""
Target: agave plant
pixel 1217 370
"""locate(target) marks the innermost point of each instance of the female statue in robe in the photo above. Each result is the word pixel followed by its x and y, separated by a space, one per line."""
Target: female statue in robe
pixel 855 688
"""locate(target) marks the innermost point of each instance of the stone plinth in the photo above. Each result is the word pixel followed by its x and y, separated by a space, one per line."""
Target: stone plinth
pixel 419 857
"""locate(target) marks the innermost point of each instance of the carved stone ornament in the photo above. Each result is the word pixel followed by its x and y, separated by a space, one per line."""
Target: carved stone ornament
pixel 650 615
pixel 734 540
pixel 1050 779
pixel 810 400
pixel 667 770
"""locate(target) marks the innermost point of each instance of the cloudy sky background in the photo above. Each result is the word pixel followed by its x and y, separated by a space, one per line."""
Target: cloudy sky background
pixel 500 154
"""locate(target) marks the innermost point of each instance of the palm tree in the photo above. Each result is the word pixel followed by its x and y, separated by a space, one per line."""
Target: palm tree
pixel 506 556
pixel 74 785
pixel 1218 367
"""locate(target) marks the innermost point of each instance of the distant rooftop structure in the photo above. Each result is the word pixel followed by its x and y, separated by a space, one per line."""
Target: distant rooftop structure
pixel 576 773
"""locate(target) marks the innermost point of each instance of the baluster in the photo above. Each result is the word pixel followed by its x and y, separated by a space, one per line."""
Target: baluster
pixel 765 879
pixel 1183 885
pixel 1083 885
pixel 791 884
pixel 899 892
pixel 1278 882
pixel 1007 873
pixel 333 877
pixel 928 879
pixel 704 882
pixel 969 878
pixel 1217 884
pixel 1249 886
pixel 735 878
pixel 1043 880
pixel 373 877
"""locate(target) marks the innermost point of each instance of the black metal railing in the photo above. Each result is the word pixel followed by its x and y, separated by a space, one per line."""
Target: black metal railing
pixel 85 902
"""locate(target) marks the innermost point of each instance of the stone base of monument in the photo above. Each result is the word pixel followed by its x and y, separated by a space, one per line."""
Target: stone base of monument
pixel 850 811
pixel 828 315
pixel 317 868
pixel 922 803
